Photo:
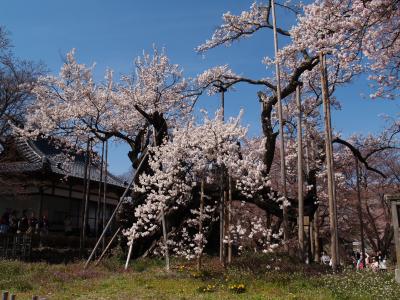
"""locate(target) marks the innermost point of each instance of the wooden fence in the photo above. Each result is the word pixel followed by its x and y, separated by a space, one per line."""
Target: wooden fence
pixel 7 296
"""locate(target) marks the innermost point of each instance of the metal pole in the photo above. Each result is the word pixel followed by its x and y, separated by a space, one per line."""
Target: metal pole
pixel 280 118
pixel 328 143
pixel 116 209
pixel 359 208
pixel 300 174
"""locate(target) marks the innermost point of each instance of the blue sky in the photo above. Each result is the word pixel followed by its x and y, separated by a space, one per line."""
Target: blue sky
pixel 113 33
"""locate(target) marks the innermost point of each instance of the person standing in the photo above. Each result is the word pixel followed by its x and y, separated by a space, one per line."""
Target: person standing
pixel 23 224
pixel 4 223
pixel 13 222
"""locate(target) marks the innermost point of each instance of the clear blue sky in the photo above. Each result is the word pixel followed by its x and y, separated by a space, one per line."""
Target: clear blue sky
pixel 113 33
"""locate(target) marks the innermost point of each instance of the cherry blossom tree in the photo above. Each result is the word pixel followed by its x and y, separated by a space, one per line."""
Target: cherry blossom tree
pixel 194 154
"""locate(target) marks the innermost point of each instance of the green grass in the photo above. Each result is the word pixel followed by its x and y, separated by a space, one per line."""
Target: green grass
pixel 273 277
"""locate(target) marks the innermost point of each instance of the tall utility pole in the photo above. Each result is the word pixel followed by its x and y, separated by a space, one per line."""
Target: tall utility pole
pixel 300 174
pixel 329 163
pixel 280 118
pixel 359 208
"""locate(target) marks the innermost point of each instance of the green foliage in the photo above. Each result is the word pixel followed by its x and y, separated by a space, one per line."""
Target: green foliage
pixel 362 285
pixel 147 279
pixel 143 264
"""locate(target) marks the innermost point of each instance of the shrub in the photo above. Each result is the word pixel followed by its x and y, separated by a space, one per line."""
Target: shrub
pixel 237 288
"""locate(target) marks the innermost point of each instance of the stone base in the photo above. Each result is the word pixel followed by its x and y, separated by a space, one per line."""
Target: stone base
pixel 397 275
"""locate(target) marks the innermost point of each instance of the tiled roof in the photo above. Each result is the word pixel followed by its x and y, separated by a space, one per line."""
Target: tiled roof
pixel 42 154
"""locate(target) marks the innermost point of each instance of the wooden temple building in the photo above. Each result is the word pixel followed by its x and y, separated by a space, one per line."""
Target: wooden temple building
pixel 37 178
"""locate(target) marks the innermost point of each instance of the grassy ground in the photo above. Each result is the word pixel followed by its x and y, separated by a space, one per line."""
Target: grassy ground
pixel 260 277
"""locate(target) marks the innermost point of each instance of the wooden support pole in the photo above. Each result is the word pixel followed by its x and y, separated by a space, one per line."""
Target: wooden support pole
pixel 222 194
pixel 329 162
pixel 221 220
pixel 108 246
pixel 81 236
pixel 201 209
pixel 128 258
pixel 396 236
pixel 281 131
pixel 311 241
pixel 229 209
pixel 145 155
pixel 394 202
pixel 98 214
pixel 359 210
pixel 317 246
pixel 225 208
pixel 105 192
pixel 300 175
pixel 164 230
pixel 163 222
pixel 307 158
pixel 87 198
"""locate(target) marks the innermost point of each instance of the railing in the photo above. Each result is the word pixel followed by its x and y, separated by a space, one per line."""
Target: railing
pixel 15 246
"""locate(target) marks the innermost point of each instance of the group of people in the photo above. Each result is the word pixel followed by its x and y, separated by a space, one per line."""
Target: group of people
pixel 376 262
pixel 10 223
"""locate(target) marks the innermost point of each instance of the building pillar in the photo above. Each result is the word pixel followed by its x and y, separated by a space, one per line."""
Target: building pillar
pixel 40 213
